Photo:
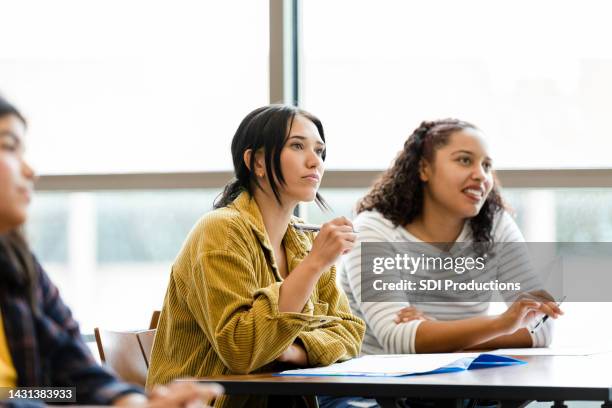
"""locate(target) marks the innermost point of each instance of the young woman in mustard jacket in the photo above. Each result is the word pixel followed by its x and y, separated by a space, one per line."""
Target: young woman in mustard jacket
pixel 249 291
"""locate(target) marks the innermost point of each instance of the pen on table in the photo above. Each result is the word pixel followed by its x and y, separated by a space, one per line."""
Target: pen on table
pixel 545 318
pixel 310 227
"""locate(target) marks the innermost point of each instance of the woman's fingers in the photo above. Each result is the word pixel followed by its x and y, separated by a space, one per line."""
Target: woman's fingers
pixel 548 310
pixel 348 236
pixel 408 318
pixel 544 298
pixel 335 238
pixel 554 306
pixel 409 313
pixel 184 394
pixel 341 221
pixel 345 228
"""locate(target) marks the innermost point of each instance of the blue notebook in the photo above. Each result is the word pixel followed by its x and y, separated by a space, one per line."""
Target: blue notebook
pixel 481 361
pixel 407 364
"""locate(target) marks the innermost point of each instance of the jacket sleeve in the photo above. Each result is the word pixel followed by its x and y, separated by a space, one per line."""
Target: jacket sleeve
pixel 340 339
pixel 68 359
pixel 240 318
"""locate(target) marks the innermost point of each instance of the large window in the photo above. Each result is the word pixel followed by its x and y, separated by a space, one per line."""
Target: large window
pixel 159 87
pixel 535 76
pixel 111 253
pixel 133 86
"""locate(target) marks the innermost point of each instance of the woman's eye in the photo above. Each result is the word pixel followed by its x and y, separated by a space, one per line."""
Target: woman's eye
pixel 487 166
pixel 465 160
pixel 298 146
pixel 9 147
pixel 320 152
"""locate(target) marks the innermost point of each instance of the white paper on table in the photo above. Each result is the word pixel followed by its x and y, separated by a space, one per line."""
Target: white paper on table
pixel 551 351
pixel 391 365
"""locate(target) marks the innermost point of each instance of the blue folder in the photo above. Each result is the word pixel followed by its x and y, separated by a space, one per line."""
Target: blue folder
pixel 471 363
pixel 461 364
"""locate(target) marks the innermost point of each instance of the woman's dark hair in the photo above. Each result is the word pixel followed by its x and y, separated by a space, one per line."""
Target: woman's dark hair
pixel 13 244
pixel 15 249
pixel 398 193
pixel 265 128
pixel 6 109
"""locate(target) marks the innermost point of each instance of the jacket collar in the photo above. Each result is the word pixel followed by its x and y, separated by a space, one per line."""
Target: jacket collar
pixel 297 243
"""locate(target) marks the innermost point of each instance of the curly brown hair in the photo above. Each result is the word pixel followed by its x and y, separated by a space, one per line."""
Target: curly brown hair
pixel 398 192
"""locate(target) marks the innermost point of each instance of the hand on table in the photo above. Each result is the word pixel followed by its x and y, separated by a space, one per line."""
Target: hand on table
pixel 295 354
pixel 178 394
pixel 409 313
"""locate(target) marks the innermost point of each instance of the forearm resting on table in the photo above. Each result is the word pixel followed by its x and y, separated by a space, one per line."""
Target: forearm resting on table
pixel 519 339
pixel 450 336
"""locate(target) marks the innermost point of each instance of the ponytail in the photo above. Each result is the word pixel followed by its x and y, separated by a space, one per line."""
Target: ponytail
pixel 230 192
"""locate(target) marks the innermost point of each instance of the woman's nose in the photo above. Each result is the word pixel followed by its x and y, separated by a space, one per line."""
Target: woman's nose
pixel 27 171
pixel 314 160
pixel 479 173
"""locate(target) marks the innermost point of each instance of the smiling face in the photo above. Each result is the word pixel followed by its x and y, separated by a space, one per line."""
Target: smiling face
pixel 16 177
pixel 460 178
pixel 302 161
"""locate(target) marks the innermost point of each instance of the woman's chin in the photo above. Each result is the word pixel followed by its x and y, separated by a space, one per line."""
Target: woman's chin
pixel 309 197
pixel 472 212
pixel 14 222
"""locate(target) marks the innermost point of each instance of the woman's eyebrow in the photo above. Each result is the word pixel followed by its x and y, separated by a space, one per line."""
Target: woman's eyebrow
pixel 463 151
pixel 300 137
pixel 468 152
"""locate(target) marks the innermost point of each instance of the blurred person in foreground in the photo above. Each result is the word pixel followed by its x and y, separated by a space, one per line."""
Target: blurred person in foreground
pixel 40 342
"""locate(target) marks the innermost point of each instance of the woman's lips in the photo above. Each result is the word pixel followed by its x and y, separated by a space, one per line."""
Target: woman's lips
pixel 473 194
pixel 26 194
pixel 312 178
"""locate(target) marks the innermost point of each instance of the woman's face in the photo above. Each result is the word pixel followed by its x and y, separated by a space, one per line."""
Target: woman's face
pixel 460 178
pixel 16 177
pixel 302 162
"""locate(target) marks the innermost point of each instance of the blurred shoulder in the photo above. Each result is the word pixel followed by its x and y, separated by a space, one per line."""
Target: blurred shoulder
pixel 372 224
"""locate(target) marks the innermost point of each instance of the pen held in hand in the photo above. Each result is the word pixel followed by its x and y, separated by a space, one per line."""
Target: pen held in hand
pixel 545 318
pixel 310 227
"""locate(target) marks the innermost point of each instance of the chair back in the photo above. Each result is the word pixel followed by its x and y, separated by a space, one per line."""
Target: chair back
pixel 145 338
pixel 154 319
pixel 123 353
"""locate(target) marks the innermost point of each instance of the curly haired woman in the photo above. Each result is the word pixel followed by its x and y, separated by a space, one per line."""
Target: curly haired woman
pixel 442 189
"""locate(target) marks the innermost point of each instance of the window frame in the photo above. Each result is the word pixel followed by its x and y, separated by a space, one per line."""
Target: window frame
pixel 284 87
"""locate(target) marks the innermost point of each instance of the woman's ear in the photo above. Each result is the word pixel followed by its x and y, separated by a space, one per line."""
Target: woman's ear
pixel 424 170
pixel 259 167
pixel 247 158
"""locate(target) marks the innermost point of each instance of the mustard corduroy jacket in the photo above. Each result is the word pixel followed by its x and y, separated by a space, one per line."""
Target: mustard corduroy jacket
pixel 220 314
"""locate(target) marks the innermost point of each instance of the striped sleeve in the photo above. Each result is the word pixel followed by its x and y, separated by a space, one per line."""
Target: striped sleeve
pixel 394 338
pixel 514 266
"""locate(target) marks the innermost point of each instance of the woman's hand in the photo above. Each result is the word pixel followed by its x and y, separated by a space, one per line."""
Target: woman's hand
pixel 409 313
pixel 295 354
pixel 524 311
pixel 183 394
pixel 335 238
pixel 178 394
